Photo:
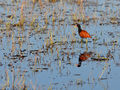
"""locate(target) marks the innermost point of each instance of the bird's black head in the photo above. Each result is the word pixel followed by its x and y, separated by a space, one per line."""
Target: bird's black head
pixel 77 24
pixel 79 27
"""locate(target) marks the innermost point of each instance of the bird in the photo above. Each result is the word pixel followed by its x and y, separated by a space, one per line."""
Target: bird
pixel 82 33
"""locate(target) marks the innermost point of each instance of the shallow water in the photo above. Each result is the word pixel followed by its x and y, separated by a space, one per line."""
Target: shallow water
pixel 44 53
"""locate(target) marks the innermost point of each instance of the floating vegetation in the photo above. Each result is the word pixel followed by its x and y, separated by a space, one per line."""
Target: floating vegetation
pixel 100 58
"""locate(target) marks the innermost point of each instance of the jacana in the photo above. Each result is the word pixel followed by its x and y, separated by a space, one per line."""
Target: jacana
pixel 82 33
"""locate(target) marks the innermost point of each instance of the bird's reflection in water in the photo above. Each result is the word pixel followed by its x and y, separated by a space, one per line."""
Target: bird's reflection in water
pixel 84 56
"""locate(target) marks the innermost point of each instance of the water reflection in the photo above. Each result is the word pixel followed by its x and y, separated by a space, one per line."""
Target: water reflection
pixel 84 56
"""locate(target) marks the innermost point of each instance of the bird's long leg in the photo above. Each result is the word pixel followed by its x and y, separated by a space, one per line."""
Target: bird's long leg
pixel 81 42
pixel 86 43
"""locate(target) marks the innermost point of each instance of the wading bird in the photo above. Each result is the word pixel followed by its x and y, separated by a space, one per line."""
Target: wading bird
pixel 82 33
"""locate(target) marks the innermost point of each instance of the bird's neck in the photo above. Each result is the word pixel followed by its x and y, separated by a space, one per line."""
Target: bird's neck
pixel 79 29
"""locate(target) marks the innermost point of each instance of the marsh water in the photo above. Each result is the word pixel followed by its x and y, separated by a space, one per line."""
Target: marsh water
pixel 41 49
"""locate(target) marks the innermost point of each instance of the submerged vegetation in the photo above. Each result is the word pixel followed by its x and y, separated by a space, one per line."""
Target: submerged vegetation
pixel 41 49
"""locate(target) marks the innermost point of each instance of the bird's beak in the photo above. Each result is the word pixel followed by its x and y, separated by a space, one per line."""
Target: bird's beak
pixel 75 26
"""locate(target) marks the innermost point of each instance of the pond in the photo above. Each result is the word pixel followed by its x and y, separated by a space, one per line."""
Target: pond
pixel 41 49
